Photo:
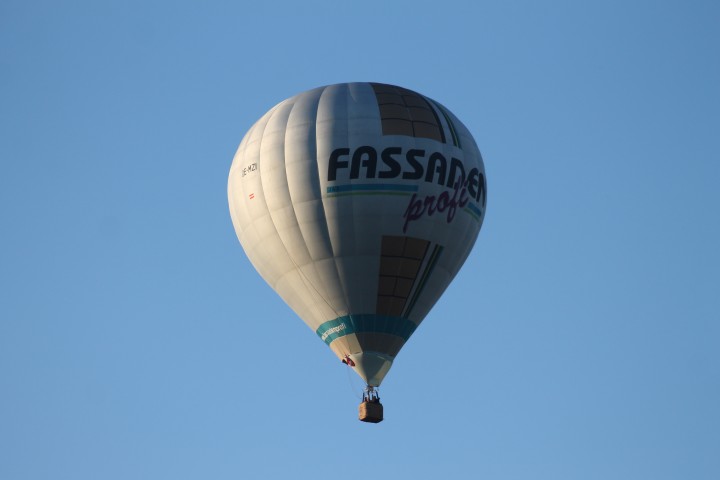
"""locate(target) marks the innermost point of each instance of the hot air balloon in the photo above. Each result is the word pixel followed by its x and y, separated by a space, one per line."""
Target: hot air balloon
pixel 358 203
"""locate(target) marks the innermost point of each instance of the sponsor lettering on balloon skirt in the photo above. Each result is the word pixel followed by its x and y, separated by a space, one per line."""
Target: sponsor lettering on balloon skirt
pixel 332 330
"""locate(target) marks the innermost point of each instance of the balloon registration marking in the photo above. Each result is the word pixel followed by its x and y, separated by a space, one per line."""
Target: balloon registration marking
pixel 250 168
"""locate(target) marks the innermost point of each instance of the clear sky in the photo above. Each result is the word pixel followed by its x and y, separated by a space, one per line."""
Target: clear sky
pixel 137 341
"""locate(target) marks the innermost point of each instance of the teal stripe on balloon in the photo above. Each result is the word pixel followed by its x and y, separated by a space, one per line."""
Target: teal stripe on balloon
pixel 370 188
pixel 365 323
pixel 473 210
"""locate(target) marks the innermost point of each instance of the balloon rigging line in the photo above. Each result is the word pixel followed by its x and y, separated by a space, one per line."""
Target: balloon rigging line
pixel 352 387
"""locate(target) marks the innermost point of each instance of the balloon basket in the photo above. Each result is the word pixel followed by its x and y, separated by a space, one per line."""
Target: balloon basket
pixel 370 410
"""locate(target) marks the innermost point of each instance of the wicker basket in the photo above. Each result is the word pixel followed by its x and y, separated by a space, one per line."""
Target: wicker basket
pixel 371 412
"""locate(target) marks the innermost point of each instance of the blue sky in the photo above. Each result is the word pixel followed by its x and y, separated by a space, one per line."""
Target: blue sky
pixel 134 333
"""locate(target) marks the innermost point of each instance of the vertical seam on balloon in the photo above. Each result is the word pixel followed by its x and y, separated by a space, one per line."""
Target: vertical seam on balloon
pixel 426 273
pixel 451 126
pixel 350 201
pixel 343 287
pixel 272 219
pixel 429 102
pixel 307 281
pixel 262 188
pixel 363 338
pixel 429 267
pixel 417 284
pixel 346 295
pixel 385 343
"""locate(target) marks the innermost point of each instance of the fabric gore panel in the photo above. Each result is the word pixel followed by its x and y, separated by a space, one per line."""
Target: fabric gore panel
pixel 404 112
pixel 400 262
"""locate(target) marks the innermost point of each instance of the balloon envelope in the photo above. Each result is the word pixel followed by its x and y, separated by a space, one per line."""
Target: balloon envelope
pixel 358 203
